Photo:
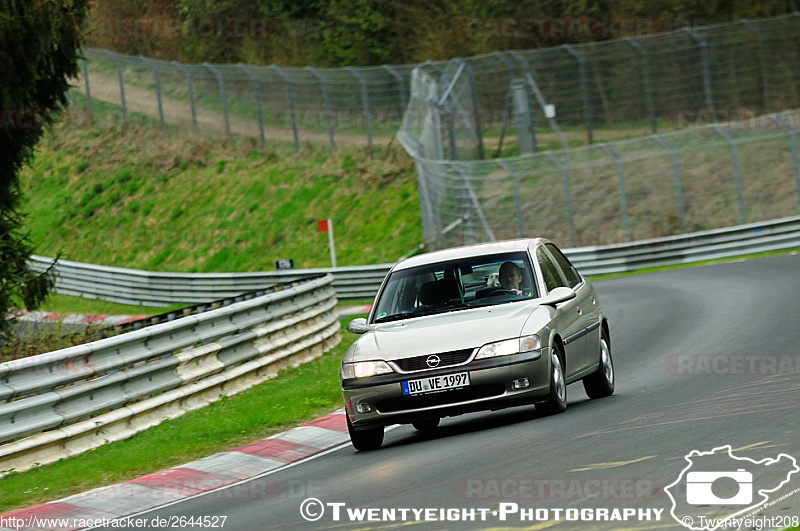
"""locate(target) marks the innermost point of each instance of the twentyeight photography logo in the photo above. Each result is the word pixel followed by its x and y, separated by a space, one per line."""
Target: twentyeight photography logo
pixel 718 489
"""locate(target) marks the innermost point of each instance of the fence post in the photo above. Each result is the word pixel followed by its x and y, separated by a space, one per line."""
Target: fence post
pixel 792 134
pixel 507 107
pixel 517 200
pixel 326 101
pixel 474 200
pixel 290 96
pixel 762 59
pixel 648 88
pixel 221 80
pixel 706 69
pixel 188 74
pixel 401 89
pixel 476 114
pixel 676 178
pixel 257 94
pixel 529 78
pixel 526 132
pixel 587 111
pixel 154 68
pixel 736 175
pixel 121 86
pixel 364 102
pixel 88 92
pixel 567 196
pixel 623 201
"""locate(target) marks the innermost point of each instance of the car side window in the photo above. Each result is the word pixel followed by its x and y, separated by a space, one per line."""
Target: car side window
pixel 571 274
pixel 552 279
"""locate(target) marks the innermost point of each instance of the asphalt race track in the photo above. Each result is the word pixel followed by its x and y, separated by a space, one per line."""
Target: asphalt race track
pixel 705 357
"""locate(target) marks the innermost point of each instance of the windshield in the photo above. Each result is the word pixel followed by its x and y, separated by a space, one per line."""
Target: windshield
pixel 455 285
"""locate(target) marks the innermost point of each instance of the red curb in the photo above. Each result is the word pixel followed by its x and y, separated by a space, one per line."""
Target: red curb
pixel 334 421
pixel 183 481
pixel 277 449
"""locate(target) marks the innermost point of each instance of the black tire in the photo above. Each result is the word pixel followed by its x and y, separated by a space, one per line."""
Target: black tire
pixel 425 424
pixel 557 397
pixel 601 383
pixel 362 440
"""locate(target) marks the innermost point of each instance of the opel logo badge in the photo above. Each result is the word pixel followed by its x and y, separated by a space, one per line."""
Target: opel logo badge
pixel 433 361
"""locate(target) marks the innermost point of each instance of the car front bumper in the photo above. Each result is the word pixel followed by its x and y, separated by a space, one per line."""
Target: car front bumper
pixel 491 387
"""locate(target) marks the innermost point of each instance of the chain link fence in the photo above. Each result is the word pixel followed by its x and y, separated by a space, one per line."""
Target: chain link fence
pixel 360 106
pixel 644 85
pixel 651 186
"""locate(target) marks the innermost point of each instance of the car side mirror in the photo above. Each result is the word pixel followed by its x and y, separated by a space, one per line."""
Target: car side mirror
pixel 559 295
pixel 357 325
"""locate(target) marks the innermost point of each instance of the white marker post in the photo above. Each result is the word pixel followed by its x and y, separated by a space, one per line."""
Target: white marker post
pixel 326 225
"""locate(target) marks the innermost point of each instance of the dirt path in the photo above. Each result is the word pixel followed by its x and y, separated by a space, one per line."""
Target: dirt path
pixel 179 113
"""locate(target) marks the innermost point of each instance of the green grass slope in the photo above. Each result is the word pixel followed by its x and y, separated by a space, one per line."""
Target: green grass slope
pixel 136 197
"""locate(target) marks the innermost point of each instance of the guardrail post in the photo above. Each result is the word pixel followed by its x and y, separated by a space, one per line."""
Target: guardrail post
pixel 623 201
pixel 401 89
pixel 326 101
pixel 190 85
pixel 121 86
pixel 706 69
pixel 157 81
pixel 676 178
pixel 648 88
pixel 567 196
pixel 517 201
pixel 221 81
pixel 289 96
pixel 535 88
pixel 762 59
pixel 587 110
pixel 736 175
pixel 792 133
pixel 86 84
pixel 364 102
pixel 257 94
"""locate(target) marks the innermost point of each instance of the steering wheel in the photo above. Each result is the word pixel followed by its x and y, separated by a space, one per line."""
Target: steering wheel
pixel 500 291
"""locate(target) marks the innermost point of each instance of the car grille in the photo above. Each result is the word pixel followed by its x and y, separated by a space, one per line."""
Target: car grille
pixel 446 359
pixel 472 392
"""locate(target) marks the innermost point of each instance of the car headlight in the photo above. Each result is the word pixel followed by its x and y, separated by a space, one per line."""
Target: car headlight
pixel 510 346
pixel 363 369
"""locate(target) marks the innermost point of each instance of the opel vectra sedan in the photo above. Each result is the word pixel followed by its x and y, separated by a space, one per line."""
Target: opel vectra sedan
pixel 474 328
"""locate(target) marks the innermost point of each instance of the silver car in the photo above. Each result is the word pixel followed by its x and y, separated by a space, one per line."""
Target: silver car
pixel 474 328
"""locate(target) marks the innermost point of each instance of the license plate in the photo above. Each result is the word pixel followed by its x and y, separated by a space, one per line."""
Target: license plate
pixel 435 383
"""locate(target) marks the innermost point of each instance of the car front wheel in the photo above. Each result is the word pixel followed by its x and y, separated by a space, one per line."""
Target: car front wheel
pixel 425 424
pixel 601 383
pixel 369 439
pixel 557 397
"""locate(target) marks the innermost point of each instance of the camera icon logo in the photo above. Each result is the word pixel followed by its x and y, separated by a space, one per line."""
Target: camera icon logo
pixel 699 488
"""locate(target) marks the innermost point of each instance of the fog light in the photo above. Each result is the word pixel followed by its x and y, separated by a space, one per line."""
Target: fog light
pixel 522 383
pixel 363 407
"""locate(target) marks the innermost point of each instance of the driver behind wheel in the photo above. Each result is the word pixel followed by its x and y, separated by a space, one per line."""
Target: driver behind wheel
pixel 510 277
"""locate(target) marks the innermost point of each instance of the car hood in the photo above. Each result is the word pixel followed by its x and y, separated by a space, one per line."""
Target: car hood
pixel 444 332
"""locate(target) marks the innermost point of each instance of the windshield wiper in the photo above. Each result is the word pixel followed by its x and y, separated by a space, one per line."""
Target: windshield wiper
pixel 395 317
pixel 445 309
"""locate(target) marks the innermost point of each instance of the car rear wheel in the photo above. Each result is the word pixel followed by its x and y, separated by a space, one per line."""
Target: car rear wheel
pixel 369 439
pixel 425 424
pixel 601 383
pixel 557 397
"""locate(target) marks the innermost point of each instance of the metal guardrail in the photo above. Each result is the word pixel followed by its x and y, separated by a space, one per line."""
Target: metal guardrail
pixel 64 402
pixel 362 282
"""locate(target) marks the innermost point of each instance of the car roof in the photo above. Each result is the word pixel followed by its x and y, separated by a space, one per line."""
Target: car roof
pixel 468 252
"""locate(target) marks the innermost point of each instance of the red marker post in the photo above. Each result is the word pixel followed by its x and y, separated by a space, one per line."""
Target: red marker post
pixel 326 225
